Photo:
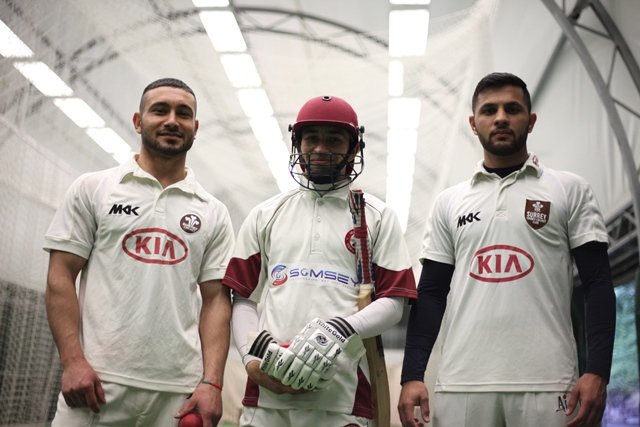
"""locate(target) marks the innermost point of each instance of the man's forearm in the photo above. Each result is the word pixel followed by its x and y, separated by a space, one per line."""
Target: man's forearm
pixel 63 309
pixel 215 318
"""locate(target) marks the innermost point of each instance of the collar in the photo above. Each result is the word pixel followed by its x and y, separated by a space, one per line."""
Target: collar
pixel 317 191
pixel 132 170
pixel 532 165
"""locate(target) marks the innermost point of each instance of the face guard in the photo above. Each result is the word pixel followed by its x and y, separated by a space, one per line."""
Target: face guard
pixel 330 170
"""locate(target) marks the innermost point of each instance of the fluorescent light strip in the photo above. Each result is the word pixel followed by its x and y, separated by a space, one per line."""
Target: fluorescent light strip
pixel 223 31
pixel 78 111
pixel 401 148
pixel 403 113
pixel 255 103
pixel 241 70
pixel 396 78
pixel 266 129
pixel 225 35
pixel 11 46
pixel 43 78
pixel 408 31
pixel 211 3
pixel 275 151
pixel 409 2
pixel 109 141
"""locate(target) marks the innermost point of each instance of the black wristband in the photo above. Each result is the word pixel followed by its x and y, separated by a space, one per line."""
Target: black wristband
pixel 342 326
pixel 260 344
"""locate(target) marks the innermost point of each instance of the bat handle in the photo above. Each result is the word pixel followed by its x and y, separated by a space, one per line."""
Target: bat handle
pixel 364 295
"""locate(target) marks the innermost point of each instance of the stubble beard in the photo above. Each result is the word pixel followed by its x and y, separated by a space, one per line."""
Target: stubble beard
pixel 501 149
pixel 153 145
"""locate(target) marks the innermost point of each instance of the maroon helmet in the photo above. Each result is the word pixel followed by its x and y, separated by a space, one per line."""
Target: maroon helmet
pixel 334 111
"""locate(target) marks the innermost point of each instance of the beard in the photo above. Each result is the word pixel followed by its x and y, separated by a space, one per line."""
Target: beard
pixel 164 149
pixel 503 148
pixel 328 173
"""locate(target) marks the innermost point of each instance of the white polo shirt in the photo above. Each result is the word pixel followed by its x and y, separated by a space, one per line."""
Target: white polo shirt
pixel 507 326
pixel 295 258
pixel 147 248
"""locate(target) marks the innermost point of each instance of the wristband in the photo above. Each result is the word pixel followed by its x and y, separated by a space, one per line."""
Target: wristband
pixel 214 385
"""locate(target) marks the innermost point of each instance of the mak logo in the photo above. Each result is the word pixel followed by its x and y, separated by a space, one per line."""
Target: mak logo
pixel 155 246
pixel 500 263
pixel 468 218
pixel 120 209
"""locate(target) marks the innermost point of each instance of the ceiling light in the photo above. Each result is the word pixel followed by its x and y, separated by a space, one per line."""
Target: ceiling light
pixel 45 80
pixel 109 141
pixel 407 2
pixel 78 111
pixel 255 103
pixel 241 70
pixel 403 113
pixel 223 31
pixel 210 3
pixel 401 148
pixel 408 31
pixel 266 129
pixel 396 78
pixel 10 45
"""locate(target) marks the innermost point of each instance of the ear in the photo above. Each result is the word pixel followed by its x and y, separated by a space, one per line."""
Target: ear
pixel 196 128
pixel 532 121
pixel 472 123
pixel 137 122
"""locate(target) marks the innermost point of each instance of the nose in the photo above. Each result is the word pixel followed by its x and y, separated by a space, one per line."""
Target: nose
pixel 171 119
pixel 321 146
pixel 501 116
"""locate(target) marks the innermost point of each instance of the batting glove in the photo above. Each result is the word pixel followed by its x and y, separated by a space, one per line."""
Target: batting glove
pixel 309 361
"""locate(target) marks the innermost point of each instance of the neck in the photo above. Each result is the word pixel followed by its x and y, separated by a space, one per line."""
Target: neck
pixel 167 171
pixel 499 162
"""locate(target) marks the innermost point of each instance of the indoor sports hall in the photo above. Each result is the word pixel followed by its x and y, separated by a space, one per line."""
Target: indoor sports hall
pixel 72 72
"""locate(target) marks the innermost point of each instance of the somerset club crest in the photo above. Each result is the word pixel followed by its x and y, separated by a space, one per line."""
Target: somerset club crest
pixel 536 212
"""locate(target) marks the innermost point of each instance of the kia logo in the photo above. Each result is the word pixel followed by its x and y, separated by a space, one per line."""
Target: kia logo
pixel 500 263
pixel 155 246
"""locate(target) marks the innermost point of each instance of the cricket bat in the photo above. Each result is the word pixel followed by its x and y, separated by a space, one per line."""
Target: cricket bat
pixel 373 345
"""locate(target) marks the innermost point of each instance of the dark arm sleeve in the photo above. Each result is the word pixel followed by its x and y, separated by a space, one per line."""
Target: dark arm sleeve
pixel 592 261
pixel 425 318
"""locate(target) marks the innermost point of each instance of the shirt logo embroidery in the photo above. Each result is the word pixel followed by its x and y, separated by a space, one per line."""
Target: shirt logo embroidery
pixel 562 403
pixel 155 246
pixel 536 212
pixel 468 218
pixel 279 275
pixel 127 210
pixel 348 243
pixel 190 223
pixel 500 263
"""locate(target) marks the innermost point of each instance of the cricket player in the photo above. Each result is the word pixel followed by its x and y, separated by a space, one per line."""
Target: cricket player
pixel 293 274
pixel 500 247
pixel 145 339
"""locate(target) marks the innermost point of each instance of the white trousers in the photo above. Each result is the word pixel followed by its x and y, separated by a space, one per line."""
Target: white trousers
pixel 265 417
pixel 501 409
pixel 125 407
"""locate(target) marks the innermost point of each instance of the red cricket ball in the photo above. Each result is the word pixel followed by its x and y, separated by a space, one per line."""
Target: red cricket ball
pixel 192 419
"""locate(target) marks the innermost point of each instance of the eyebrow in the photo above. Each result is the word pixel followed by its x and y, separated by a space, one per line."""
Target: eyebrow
pixel 168 104
pixel 506 104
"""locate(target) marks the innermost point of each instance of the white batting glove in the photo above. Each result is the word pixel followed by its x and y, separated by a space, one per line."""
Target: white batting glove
pixel 309 361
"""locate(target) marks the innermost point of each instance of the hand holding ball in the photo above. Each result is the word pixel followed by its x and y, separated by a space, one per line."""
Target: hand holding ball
pixel 192 419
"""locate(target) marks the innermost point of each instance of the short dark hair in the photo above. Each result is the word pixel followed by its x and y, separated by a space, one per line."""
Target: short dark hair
pixel 498 80
pixel 164 82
